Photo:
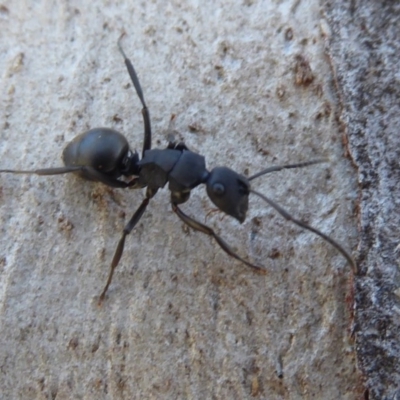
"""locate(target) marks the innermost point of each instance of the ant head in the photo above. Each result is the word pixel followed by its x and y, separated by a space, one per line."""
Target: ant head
pixel 229 191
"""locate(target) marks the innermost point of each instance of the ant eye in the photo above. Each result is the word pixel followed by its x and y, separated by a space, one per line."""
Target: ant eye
pixel 218 189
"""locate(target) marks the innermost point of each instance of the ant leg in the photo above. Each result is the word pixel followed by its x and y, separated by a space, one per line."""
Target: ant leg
pixel 328 239
pixel 172 144
pixel 87 173
pixel 198 226
pixel 95 175
pixel 43 171
pixel 177 146
pixel 139 91
pixel 127 230
pixel 288 166
pixel 171 132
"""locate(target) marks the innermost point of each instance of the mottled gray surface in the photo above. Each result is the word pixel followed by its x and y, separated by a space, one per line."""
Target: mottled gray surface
pixel 181 320
pixel 368 76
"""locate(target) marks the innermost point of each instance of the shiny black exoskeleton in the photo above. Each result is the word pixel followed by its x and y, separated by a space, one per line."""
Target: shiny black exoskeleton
pixel 103 155
pixel 184 170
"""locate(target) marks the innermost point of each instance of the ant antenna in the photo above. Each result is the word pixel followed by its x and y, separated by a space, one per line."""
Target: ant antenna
pixel 288 166
pixel 328 239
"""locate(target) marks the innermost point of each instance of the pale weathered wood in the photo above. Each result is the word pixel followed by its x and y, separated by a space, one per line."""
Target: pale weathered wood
pixel 252 87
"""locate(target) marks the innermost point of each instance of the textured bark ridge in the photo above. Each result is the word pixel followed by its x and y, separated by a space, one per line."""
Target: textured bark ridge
pixel 364 46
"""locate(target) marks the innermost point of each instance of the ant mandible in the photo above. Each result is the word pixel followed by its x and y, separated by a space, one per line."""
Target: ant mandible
pixel 103 155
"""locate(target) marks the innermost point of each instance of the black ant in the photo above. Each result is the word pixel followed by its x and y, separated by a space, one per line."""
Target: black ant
pixel 103 155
